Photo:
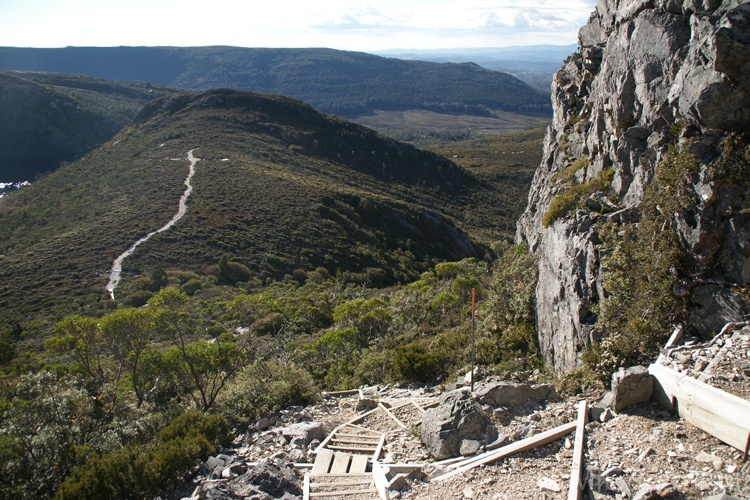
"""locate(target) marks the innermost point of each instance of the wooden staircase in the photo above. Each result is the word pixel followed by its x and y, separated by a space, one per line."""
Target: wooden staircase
pixel 341 464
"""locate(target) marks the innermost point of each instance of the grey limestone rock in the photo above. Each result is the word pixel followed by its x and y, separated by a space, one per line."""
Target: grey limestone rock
pixel 303 433
pixel 277 480
pixel 649 74
pixel 506 393
pixel 631 386
pixel 457 418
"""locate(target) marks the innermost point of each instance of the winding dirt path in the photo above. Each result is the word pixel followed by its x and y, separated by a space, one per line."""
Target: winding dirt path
pixel 116 270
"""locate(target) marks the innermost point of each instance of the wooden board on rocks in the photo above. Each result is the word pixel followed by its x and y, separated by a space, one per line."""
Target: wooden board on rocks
pixel 717 412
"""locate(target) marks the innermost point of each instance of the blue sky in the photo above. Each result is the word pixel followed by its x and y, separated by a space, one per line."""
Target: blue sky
pixel 339 24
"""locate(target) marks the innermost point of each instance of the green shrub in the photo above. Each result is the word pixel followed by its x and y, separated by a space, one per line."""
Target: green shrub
pixel 374 367
pixel 449 269
pixel 415 363
pixel 569 172
pixel 575 195
pixel 264 387
pixel 639 308
pixel 138 470
pixel 7 349
pixel 230 273
pixel 191 286
pixel 138 298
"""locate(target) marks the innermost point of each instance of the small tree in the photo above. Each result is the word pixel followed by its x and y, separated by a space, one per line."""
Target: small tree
pixel 205 366
pixel 129 333
pixel 79 338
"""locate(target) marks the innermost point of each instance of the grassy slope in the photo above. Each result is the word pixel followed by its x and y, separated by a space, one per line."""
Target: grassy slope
pixel 300 190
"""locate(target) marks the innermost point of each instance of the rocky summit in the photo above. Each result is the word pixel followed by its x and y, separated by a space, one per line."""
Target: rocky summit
pixel 650 77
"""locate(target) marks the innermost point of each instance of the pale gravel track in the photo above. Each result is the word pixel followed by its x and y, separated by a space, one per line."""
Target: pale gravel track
pixel 116 269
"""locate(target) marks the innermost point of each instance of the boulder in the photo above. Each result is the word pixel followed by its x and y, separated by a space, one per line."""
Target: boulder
pixel 277 480
pixel 301 434
pixel 631 386
pixel 713 306
pixel 456 418
pixel 510 393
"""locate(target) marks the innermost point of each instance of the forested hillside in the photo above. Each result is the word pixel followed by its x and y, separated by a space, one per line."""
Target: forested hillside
pixel 49 118
pixel 313 253
pixel 344 83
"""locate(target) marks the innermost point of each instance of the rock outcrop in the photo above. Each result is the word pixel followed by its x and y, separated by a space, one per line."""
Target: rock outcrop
pixel 457 424
pixel 649 74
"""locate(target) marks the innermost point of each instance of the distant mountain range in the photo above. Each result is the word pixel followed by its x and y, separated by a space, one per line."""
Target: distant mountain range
pixel 343 83
pixel 534 64
pixel 57 104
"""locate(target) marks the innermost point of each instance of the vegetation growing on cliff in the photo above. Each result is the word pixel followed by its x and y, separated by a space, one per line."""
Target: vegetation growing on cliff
pixel 643 264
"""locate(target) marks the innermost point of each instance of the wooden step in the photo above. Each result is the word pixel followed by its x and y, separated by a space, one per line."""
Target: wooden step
pixel 319 494
pixel 322 462
pixel 341 463
pixel 355 441
pixel 359 464
pixel 368 449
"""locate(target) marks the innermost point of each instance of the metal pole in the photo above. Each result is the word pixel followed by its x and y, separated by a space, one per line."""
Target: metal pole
pixel 473 302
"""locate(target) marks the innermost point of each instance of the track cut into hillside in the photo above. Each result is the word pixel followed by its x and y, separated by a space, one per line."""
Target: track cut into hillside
pixel 116 270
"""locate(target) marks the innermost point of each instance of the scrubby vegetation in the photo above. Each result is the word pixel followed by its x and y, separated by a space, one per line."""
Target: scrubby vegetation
pixel 575 195
pixel 644 263
pixel 315 254
pixel 49 118
pixel 81 412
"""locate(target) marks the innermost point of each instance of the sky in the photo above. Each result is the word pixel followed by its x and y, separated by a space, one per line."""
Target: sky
pixel 340 24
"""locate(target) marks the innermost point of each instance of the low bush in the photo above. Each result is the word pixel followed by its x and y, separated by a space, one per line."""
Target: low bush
pixel 262 388
pixel 575 195
pixel 139 470
pixel 639 308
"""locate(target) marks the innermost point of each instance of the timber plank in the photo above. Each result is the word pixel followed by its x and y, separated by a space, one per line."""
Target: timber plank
pixel 390 414
pixel 363 416
pixel 417 406
pixel 366 449
pixel 322 462
pixel 355 426
pixel 357 436
pixel 379 449
pixel 381 481
pixel 359 464
pixel 342 493
pixel 517 447
pixel 355 441
pixel 342 483
pixel 721 414
pixel 576 486
pixel 341 463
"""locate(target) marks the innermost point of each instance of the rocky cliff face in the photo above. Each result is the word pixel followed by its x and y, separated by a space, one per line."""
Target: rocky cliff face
pixel 649 74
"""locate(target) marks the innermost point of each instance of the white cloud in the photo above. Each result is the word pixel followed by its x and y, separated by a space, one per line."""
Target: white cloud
pixel 348 24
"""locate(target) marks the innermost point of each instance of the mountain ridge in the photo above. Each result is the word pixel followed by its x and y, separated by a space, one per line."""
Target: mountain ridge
pixel 52 118
pixel 279 187
pixel 339 82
